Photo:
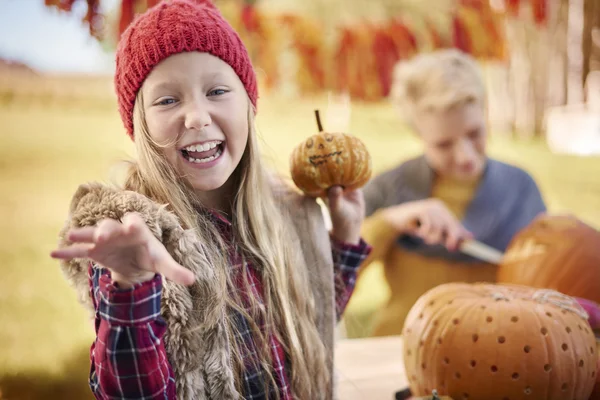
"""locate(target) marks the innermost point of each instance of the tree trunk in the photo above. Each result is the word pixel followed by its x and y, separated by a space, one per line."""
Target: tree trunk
pixel 537 54
pixel 590 39
pixel 574 51
pixel 565 57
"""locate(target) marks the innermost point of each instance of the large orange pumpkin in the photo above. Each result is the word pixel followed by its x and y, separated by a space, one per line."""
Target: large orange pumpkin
pixel 555 252
pixel 596 392
pixel 484 341
pixel 330 159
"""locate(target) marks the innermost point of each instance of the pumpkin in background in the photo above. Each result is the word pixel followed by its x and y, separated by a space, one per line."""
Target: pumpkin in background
pixel 330 159
pixel 555 252
pixel 484 341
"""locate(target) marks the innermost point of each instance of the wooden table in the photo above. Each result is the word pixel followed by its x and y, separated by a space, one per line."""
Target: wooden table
pixel 369 369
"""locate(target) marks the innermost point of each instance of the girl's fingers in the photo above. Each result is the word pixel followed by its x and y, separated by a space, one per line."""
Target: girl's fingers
pixel 135 226
pixel 78 250
pixel 176 273
pixel 161 261
pixel 82 235
pixel 108 229
pixel 132 220
pixel 333 196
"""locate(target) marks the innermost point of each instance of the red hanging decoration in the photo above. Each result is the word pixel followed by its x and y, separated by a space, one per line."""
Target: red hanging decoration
pixel 480 5
pixel 540 11
pixel 343 59
pixel 436 39
pixel 386 56
pixel 94 19
pixel 61 5
pixel 127 15
pixel 66 5
pixel 405 39
pixel 513 7
pixel 250 18
pixel 462 39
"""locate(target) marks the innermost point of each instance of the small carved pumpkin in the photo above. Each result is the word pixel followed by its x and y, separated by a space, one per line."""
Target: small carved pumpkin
pixel 484 341
pixel 555 252
pixel 330 159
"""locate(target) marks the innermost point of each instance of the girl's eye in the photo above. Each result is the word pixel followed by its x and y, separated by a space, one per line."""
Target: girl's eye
pixel 217 92
pixel 166 102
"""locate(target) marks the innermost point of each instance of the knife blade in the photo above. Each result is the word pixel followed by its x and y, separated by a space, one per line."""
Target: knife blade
pixel 477 249
pixel 481 251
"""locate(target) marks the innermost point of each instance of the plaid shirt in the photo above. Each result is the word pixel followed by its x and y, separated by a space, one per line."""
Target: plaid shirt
pixel 129 360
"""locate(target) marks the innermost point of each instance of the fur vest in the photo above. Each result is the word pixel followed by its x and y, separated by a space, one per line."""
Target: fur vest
pixel 200 356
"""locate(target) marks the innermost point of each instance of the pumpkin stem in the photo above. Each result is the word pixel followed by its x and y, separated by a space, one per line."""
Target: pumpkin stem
pixel 319 125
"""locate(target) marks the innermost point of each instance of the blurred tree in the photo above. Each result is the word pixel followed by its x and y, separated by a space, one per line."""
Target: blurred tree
pixel 591 38
pixel 537 40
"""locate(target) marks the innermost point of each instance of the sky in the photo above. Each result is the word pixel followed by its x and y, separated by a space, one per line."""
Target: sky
pixel 50 41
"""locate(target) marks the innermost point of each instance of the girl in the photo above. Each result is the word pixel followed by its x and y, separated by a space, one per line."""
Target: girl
pixel 208 278
pixel 453 190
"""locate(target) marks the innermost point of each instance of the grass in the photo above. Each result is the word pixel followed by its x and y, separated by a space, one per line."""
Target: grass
pixel 45 152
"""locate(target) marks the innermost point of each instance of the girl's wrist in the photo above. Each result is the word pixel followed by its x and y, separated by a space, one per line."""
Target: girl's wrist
pixel 348 236
pixel 127 282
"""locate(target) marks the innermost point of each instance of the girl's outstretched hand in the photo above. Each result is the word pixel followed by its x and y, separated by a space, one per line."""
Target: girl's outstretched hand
pixel 347 211
pixel 128 249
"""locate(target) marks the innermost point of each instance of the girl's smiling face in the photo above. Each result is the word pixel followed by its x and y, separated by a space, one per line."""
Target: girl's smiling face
pixel 197 108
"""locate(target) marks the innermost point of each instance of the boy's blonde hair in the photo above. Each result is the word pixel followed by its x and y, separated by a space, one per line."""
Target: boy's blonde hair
pixel 436 81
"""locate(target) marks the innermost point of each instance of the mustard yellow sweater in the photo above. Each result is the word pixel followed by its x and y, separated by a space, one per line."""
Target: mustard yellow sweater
pixel 410 275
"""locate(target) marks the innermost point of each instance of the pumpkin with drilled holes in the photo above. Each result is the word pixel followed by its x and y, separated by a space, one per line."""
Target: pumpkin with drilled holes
pixel 330 159
pixel 596 392
pixel 484 341
pixel 557 252
pixel 433 396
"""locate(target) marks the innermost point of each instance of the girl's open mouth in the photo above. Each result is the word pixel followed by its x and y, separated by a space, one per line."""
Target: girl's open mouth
pixel 203 153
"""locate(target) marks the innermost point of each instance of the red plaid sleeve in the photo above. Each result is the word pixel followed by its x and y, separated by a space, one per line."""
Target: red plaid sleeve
pixel 128 357
pixel 347 258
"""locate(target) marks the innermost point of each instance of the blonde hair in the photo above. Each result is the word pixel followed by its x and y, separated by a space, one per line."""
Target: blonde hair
pixel 436 81
pixel 262 235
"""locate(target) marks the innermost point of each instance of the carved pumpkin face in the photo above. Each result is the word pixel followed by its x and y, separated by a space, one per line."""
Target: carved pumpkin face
pixel 483 341
pixel 329 159
pixel 555 252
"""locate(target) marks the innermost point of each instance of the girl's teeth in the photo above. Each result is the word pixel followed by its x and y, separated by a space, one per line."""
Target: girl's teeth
pixel 202 147
pixel 207 159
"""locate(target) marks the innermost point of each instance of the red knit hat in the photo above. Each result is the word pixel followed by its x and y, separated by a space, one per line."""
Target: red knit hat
pixel 172 27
